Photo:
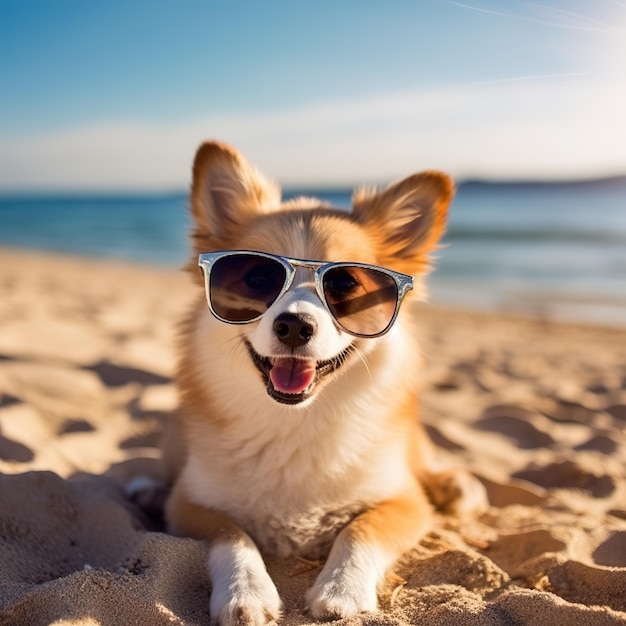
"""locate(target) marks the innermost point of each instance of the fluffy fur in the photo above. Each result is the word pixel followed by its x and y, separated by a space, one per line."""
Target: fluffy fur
pixel 344 472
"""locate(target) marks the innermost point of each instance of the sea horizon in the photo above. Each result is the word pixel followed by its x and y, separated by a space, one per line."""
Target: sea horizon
pixel 618 180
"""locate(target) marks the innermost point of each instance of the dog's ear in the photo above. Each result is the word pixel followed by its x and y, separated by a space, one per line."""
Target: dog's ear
pixel 407 219
pixel 226 192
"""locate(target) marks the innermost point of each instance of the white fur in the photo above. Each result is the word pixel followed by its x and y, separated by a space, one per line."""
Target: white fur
pixel 325 344
pixel 243 592
pixel 348 582
pixel 291 477
pixel 302 472
pixel 305 470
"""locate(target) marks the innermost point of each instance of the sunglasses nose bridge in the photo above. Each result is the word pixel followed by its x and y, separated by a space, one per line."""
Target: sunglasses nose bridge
pixel 301 296
pixel 303 276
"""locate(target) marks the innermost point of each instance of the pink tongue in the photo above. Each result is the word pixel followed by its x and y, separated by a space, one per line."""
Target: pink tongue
pixel 290 375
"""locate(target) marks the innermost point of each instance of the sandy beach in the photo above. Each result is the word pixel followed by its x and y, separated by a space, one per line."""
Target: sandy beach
pixel 536 409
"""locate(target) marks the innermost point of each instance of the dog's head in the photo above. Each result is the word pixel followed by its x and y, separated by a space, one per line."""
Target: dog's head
pixel 297 346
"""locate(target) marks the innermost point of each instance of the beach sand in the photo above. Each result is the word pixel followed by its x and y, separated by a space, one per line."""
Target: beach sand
pixel 536 409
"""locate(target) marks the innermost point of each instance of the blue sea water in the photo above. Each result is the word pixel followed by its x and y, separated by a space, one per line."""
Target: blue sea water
pixel 556 250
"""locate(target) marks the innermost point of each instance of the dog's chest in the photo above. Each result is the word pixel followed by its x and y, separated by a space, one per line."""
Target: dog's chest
pixel 286 510
pixel 291 498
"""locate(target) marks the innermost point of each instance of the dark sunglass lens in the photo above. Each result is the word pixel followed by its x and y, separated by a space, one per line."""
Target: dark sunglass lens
pixel 244 286
pixel 363 300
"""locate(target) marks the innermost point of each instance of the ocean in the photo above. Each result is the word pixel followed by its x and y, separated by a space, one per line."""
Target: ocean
pixel 546 249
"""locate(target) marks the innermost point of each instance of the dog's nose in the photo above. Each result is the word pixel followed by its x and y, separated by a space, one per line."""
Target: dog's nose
pixel 294 330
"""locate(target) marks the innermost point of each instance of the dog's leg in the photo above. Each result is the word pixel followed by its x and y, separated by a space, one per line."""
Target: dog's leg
pixel 243 593
pixel 362 553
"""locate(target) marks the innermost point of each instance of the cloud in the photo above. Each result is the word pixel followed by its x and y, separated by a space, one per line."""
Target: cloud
pixel 537 127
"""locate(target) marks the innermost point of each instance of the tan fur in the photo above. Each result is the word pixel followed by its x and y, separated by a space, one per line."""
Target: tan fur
pixel 356 453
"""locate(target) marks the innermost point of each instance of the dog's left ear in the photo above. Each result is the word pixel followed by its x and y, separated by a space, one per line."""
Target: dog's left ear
pixel 407 219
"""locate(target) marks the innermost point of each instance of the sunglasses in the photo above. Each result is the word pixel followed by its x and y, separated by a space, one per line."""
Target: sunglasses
pixel 242 285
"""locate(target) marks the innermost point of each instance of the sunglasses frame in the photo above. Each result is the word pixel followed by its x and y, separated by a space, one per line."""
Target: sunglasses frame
pixel 207 260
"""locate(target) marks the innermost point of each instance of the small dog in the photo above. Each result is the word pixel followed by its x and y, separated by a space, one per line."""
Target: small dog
pixel 298 432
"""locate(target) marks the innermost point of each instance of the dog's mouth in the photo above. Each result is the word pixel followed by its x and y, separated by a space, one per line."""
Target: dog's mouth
pixel 292 380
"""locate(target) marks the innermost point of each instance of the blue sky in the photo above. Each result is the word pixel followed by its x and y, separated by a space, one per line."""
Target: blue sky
pixel 118 94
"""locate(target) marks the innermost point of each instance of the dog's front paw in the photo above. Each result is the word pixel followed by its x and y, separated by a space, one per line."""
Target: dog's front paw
pixel 246 608
pixel 243 593
pixel 340 593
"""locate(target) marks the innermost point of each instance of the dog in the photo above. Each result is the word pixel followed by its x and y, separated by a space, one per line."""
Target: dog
pixel 298 375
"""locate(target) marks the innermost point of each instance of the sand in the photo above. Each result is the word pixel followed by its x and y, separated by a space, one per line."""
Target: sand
pixel 536 409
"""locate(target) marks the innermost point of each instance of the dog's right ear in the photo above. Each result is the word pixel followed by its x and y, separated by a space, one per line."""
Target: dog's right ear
pixel 226 191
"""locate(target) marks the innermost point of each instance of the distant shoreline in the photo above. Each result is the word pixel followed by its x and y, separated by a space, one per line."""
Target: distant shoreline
pixel 616 181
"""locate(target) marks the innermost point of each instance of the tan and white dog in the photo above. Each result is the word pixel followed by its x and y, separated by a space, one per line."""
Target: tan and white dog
pixel 296 434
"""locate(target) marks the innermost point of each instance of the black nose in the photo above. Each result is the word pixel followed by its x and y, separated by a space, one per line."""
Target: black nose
pixel 294 330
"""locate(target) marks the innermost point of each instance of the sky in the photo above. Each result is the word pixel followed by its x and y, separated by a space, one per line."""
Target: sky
pixel 117 95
